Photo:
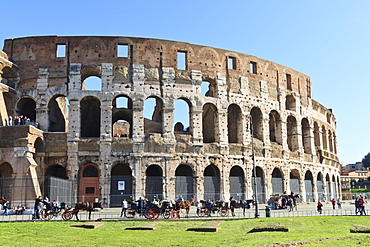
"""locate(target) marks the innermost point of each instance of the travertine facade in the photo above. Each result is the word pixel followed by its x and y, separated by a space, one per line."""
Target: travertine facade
pixel 92 141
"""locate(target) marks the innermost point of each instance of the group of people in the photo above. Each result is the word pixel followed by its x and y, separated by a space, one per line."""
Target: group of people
pixel 284 201
pixel 360 205
pixel 142 205
pixel 20 120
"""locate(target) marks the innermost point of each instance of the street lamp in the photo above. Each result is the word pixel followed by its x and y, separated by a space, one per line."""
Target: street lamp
pixel 256 214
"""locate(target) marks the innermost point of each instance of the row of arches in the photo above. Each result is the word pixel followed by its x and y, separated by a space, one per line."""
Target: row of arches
pixel 122 121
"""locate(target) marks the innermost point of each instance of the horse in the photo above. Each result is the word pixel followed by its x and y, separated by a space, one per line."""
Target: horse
pixel 185 205
pixel 86 206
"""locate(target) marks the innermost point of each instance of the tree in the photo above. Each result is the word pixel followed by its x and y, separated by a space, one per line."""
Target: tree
pixel 366 160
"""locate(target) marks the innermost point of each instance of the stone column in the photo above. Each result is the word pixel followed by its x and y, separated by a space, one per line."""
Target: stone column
pixel 42 116
pixel 138 126
pixel 107 74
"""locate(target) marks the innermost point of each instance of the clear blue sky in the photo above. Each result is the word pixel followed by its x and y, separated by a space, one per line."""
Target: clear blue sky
pixel 326 40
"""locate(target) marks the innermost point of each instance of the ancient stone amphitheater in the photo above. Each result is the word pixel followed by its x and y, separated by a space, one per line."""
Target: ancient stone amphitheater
pixel 241 117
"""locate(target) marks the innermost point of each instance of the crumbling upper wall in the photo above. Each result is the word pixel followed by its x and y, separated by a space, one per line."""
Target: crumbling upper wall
pixel 30 53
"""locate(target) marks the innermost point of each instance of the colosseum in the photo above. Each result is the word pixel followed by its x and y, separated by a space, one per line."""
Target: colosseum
pixel 243 119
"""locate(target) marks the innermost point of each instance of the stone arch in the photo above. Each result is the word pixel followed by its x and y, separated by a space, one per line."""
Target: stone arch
pixel 212 184
pixel 184 186
pixel 277 181
pixel 27 107
pixel 308 182
pixel 236 181
pixel 58 113
pixel 90 117
pixel 121 184
pixel 153 106
pixel 209 120
pixel 56 185
pixel 275 127
pixel 182 112
pixel 209 88
pixel 320 186
pixel 234 124
pixel 122 116
pixel 153 185
pixel 295 181
pixel 57 171
pixel 290 103
pixel 260 184
pixel 257 123
pixel 306 136
pixel 6 181
pixel 292 133
pixel 89 187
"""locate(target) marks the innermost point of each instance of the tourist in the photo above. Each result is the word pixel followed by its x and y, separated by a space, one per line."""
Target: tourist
pixel 319 207
pixel 124 207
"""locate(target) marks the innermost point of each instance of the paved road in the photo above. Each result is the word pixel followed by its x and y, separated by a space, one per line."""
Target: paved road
pixel 304 209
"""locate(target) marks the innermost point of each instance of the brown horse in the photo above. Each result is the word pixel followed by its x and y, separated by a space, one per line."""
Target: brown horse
pixel 185 205
pixel 88 206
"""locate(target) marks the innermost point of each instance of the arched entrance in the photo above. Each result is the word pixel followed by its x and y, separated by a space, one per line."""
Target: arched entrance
pixel 320 187
pixel 335 189
pixel 211 183
pixel 277 182
pixel 294 182
pixel 261 194
pixel 236 181
pixel 6 181
pixel 308 182
pixel 184 182
pixel 121 184
pixel 328 189
pixel 89 183
pixel 153 185
pixel 57 186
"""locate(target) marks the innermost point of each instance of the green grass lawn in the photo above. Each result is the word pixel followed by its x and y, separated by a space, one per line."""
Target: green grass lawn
pixel 313 231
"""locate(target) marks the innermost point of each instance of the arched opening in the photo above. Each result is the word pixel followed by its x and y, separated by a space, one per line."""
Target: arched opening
pixel 153 115
pixel 260 184
pixel 320 187
pixel 330 137
pixel 57 186
pixel 89 183
pixel 257 123
pixel 277 182
pixel 27 108
pixel 211 183
pixel 294 182
pixel 290 103
pixel 90 117
pixel 184 182
pixel 58 113
pixel 122 117
pixel 6 181
pixel 316 133
pixel 9 76
pixel 292 133
pixel 236 180
pixel 328 188
pixel 9 105
pixel 335 188
pixel 120 184
pixel 234 124
pixel 275 127
pixel 209 123
pixel 93 83
pixel 154 187
pixel 182 116
pixel 209 88
pixel 308 182
pixel 306 136
pixel 324 139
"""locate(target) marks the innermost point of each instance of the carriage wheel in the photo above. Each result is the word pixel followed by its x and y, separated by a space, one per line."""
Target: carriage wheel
pixel 45 214
pixel 174 214
pixel 130 213
pixel 202 212
pixel 67 215
pixel 167 213
pixel 153 214
pixel 224 212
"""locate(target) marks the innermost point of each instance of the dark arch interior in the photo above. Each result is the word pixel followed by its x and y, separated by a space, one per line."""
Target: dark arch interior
pixel 212 171
pixel 236 171
pixel 27 107
pixel 154 170
pixel 56 171
pixel 183 170
pixel 276 173
pixel 90 117
pixel 90 171
pixel 121 169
